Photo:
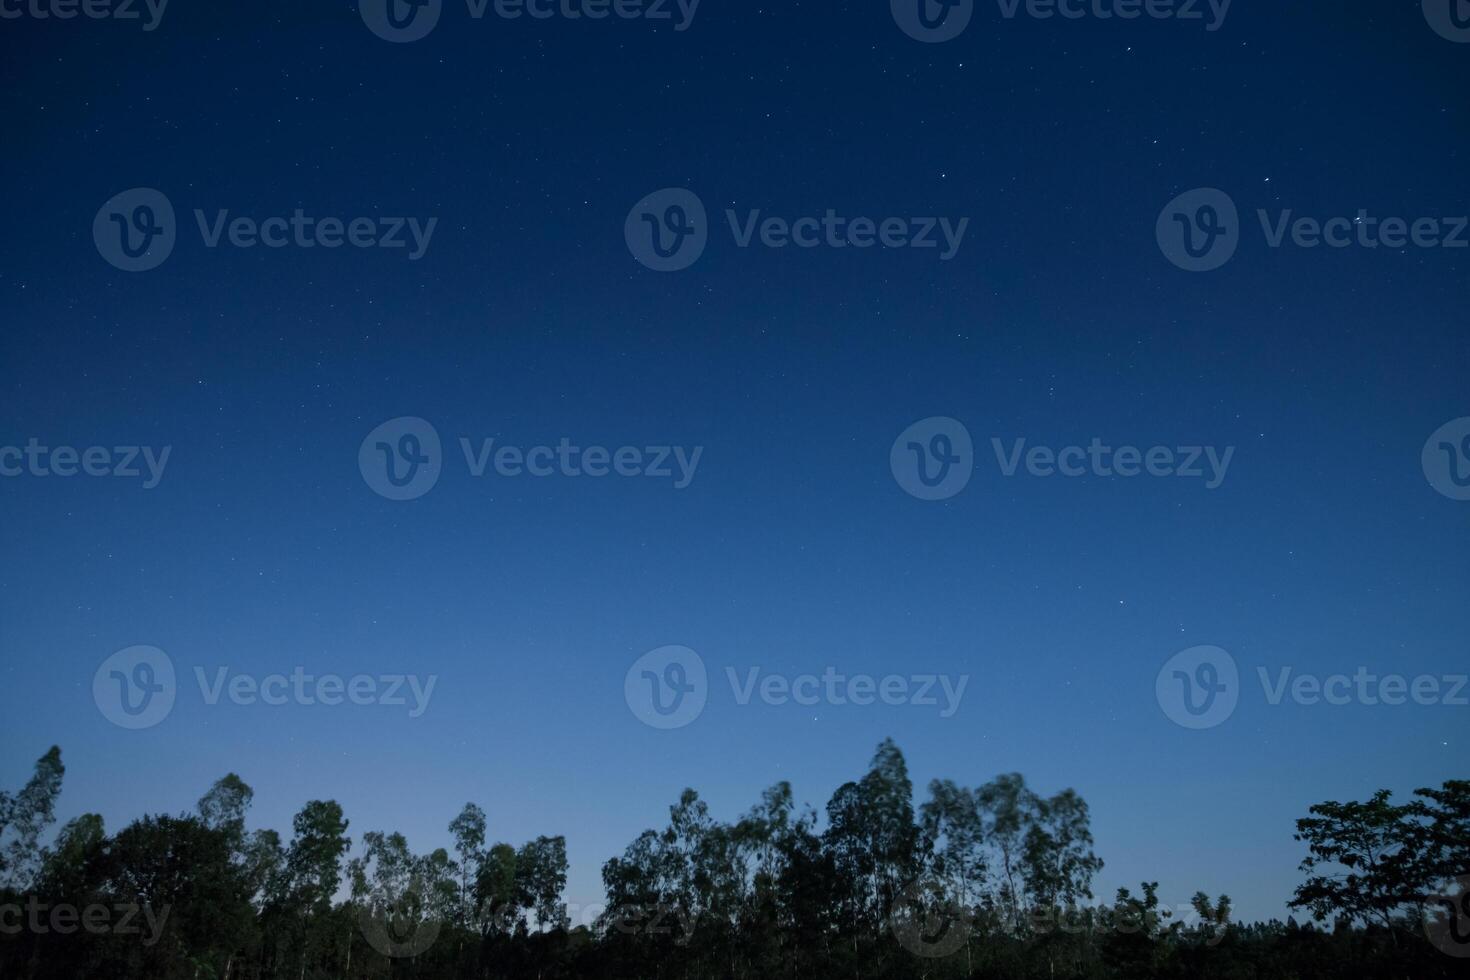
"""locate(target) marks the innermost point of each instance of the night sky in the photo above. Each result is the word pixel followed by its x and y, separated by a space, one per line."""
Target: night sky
pixel 1058 319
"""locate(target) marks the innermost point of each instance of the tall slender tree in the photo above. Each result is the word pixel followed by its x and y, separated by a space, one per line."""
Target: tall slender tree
pixel 24 817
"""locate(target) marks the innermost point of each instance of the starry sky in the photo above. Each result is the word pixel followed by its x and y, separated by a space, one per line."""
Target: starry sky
pixel 528 321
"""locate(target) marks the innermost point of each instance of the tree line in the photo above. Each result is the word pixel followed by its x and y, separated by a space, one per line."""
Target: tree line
pixel 993 881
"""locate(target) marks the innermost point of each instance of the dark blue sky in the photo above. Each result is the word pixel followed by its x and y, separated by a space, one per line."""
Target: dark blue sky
pixel 794 549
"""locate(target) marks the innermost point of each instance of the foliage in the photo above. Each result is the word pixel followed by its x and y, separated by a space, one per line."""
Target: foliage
pixel 993 881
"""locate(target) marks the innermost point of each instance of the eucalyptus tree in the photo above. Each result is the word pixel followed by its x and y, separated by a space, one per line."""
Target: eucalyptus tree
pixel 468 831
pixel 400 901
pixel 954 842
pixel 541 877
pixel 846 841
pixel 1007 809
pixel 24 817
pixel 224 807
pixel 887 796
pixel 77 849
pixel 314 873
pixel 954 836
pixel 314 858
pixel 182 877
pixel 1058 863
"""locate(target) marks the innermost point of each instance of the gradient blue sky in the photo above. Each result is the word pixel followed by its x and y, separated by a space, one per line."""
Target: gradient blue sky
pixel 794 549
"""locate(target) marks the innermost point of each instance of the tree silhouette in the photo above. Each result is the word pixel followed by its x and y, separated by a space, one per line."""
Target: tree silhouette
pixel 985 883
